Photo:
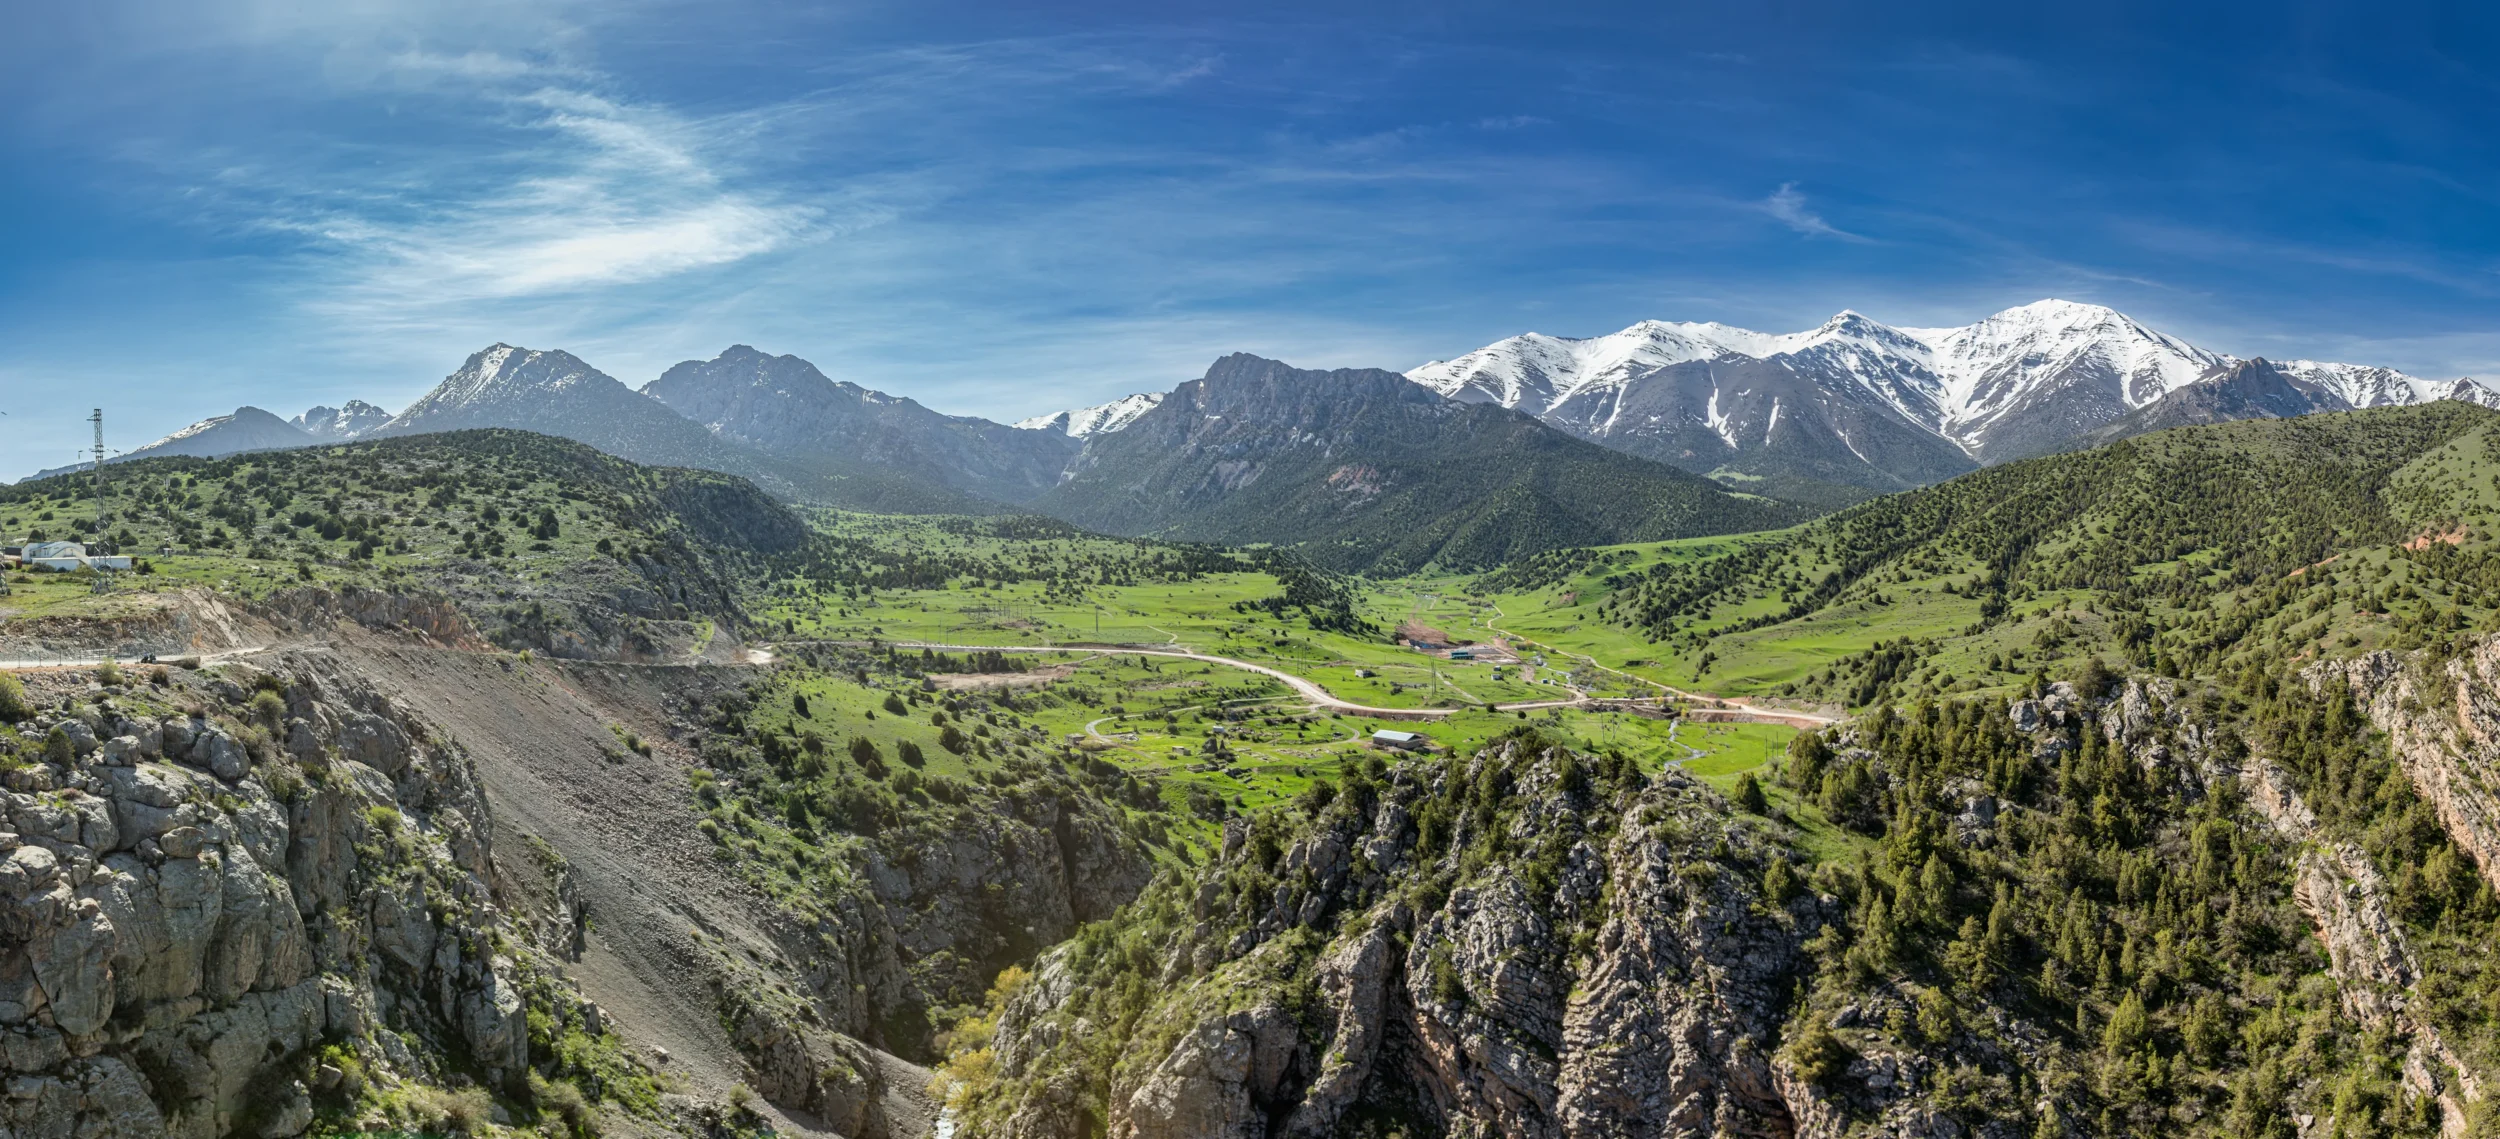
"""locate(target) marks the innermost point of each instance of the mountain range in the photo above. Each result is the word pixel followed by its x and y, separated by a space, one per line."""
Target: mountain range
pixel 1864 403
pixel 1364 470
pixel 1258 451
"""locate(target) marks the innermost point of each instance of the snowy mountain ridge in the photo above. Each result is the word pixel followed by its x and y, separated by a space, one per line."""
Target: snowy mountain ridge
pixel 2004 386
pixel 1100 418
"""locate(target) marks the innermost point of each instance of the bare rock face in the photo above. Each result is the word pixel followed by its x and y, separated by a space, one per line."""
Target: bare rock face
pixel 1613 971
pixel 997 887
pixel 1215 1079
pixel 432 617
pixel 175 937
pixel 2444 722
pixel 802 1066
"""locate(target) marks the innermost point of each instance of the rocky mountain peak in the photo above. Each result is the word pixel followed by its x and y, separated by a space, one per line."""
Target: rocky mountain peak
pixel 1079 423
pixel 787 407
pixel 340 423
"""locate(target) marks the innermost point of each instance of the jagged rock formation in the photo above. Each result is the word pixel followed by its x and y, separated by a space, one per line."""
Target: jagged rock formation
pixel 1612 970
pixel 198 904
pixel 1526 942
pixel 338 424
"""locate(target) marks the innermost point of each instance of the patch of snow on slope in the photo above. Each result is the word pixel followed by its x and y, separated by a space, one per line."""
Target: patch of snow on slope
pixel 1720 423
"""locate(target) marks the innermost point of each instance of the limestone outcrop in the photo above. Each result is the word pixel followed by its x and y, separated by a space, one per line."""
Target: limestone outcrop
pixel 235 878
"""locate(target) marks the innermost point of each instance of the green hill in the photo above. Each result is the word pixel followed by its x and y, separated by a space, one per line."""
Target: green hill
pixel 548 543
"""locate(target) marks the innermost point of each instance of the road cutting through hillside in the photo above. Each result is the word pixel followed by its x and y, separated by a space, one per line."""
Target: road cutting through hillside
pixel 141 661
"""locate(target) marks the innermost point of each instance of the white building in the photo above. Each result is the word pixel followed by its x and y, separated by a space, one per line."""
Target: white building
pixel 67 557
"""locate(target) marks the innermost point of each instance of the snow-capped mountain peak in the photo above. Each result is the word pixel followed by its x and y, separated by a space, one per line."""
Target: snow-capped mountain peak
pixel 500 375
pixel 1536 372
pixel 1100 419
pixel 2363 385
pixel 2013 358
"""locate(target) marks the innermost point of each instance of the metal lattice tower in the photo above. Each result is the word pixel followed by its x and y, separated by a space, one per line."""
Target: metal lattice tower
pixel 102 576
pixel 98 420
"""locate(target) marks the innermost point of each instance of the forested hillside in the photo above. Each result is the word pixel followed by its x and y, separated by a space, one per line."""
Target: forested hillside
pixel 2203 550
pixel 2143 826
pixel 2153 910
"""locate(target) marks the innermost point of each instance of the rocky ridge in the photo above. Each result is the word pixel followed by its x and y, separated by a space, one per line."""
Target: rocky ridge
pixel 1616 972
pixel 2348 902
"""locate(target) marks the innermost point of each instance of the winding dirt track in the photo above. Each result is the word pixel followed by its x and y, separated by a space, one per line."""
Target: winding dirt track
pixel 33 664
pixel 1736 708
pixel 1307 689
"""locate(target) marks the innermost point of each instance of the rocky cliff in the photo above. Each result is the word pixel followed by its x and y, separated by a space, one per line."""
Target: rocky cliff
pixel 909 896
pixel 1529 943
pixel 240 897
pixel 2443 721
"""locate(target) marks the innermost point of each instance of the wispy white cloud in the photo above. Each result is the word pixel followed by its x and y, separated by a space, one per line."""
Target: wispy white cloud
pixel 1789 206
pixel 589 191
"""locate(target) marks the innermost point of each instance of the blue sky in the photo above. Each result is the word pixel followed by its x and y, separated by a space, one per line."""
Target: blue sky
pixel 1004 209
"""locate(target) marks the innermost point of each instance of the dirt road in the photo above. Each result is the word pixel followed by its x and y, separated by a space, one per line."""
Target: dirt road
pixel 1737 708
pixel 1307 689
pixel 31 664
pixel 1734 708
